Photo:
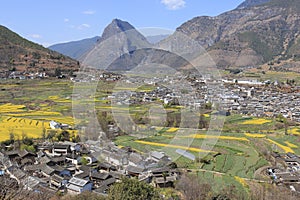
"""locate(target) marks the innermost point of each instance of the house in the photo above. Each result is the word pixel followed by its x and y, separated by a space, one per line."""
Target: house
pixel 73 158
pixel 134 159
pixel 167 181
pixel 12 155
pixel 98 178
pixel 163 177
pixel 54 125
pixel 56 181
pixel 46 170
pixel 134 171
pixel 26 161
pixel 59 149
pixel 31 182
pixel 26 154
pixel 73 146
pixel 60 160
pixel 287 177
pixel 157 156
pixel 43 160
pixel 78 185
pixel 84 175
pixel 106 167
pixel 57 125
pixel 17 173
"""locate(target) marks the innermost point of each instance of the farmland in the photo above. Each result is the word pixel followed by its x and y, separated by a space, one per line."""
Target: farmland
pixel 233 157
pixel 27 107
pixel 231 160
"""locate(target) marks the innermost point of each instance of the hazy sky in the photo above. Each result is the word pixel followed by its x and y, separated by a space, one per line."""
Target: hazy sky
pixel 53 21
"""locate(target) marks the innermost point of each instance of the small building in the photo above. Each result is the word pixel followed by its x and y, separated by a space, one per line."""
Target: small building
pixel 167 181
pixel 60 149
pixel 54 125
pixel 78 185
pixel 46 170
pixel 134 171
pixel 56 181
pixel 157 156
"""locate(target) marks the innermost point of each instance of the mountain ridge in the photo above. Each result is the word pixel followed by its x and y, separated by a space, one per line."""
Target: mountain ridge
pixel 250 36
pixel 75 49
pixel 20 54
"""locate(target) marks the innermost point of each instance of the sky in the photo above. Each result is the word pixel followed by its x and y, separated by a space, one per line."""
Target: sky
pixel 49 22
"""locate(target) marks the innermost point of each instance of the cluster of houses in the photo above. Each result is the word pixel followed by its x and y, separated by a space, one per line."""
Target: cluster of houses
pixel 286 170
pixel 75 167
pixel 263 100
pixel 247 97
pixel 24 75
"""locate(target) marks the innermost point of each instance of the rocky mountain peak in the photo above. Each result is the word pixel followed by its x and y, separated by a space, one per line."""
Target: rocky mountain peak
pixel 115 27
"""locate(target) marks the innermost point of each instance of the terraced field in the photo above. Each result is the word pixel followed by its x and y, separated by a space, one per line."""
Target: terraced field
pixel 232 160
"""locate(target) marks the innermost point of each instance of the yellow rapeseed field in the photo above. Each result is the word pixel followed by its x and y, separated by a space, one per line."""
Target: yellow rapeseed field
pixel 20 126
pixel 290 144
pixel 172 130
pixel 294 131
pixel 18 120
pixel 203 136
pixel 256 121
pixel 10 108
pixel 174 146
pixel 285 148
pixel 34 113
pixel 255 135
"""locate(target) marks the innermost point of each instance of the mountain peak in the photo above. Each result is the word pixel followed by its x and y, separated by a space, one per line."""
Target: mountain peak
pixel 115 27
pixel 251 3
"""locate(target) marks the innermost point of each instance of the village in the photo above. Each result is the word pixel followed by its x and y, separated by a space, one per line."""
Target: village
pixel 73 168
pixel 246 96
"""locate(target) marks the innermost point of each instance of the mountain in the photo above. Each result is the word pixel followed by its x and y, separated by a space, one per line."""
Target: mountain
pixel 258 32
pixel 251 3
pixel 122 48
pixel 17 53
pixel 78 49
pixel 153 39
pixel 75 49
pixel 117 26
pixel 118 39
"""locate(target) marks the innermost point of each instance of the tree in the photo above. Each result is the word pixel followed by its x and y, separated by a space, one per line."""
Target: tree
pixel 84 160
pixel 192 188
pixel 44 134
pixel 12 137
pixel 30 148
pixel 83 196
pixel 208 106
pixel 202 122
pixel 283 120
pixel 57 72
pixel 129 189
pixel 65 135
pixel 51 134
pixel 165 178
